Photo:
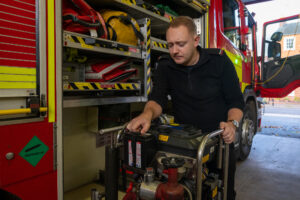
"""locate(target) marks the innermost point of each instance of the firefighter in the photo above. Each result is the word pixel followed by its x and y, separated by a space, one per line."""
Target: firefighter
pixel 203 86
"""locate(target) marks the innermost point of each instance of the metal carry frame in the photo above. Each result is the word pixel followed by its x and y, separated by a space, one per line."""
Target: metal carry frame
pixel 200 153
pixel 199 162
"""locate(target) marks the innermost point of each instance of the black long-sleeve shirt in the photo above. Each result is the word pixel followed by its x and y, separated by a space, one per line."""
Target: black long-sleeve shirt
pixel 201 94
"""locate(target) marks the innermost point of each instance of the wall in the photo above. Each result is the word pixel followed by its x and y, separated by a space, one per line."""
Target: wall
pixel 284 53
pixel 82 160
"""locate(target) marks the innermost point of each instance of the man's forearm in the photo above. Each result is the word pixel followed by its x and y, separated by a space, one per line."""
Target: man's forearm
pixel 152 109
pixel 235 114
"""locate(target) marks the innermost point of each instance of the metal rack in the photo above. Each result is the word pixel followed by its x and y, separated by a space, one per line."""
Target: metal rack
pixel 100 86
pixel 152 24
pixel 158 23
pixel 77 94
pixel 85 42
pixel 78 102
pixel 159 45
pixel 197 5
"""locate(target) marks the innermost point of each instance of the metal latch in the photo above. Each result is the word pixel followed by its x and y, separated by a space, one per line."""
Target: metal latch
pixel 34 104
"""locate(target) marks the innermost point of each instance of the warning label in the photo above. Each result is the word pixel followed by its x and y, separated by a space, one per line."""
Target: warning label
pixel 34 151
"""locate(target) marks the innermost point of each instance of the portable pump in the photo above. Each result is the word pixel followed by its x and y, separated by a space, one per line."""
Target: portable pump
pixel 165 163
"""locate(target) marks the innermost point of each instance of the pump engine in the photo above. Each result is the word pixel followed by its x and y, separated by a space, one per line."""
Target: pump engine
pixel 164 163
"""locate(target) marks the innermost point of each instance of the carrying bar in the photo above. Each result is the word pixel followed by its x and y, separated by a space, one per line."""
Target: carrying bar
pixel 112 129
pixel 199 163
pixel 117 129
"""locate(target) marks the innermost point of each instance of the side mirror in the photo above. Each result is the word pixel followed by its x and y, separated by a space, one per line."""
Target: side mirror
pixel 274 50
pixel 277 36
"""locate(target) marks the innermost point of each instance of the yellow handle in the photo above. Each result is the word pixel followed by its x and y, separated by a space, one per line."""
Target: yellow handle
pixel 20 111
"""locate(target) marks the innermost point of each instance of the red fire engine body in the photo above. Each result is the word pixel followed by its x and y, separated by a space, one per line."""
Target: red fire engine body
pixel 31 84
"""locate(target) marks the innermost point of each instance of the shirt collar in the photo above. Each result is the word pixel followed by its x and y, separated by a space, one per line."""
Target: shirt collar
pixel 204 57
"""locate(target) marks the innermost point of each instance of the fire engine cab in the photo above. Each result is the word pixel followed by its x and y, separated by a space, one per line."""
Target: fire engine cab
pixel 69 68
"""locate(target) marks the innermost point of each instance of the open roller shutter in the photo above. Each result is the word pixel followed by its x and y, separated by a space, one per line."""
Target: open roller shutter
pixel 18 48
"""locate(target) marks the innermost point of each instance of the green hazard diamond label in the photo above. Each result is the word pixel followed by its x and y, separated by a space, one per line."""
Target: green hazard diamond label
pixel 34 151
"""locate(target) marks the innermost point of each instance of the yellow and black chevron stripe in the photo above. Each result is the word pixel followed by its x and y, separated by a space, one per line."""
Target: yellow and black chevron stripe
pixel 90 86
pixel 160 45
pixel 148 57
pixel 129 2
pixel 96 43
pixel 171 18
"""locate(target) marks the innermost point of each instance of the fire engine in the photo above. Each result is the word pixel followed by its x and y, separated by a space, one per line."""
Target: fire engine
pixel 66 71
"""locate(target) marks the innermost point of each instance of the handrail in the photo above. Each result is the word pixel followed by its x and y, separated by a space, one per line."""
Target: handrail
pixel 21 111
pixel 199 164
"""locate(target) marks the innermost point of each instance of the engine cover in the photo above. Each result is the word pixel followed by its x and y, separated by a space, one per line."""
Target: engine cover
pixel 181 139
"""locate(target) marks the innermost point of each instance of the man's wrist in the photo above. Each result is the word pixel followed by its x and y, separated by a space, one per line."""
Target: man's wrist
pixel 148 114
pixel 235 123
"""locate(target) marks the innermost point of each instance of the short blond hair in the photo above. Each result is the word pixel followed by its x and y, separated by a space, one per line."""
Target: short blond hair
pixel 186 21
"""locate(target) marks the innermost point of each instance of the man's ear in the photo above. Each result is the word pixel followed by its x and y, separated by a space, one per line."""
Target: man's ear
pixel 197 40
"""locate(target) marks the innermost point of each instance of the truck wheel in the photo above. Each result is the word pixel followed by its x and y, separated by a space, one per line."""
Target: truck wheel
pixel 247 130
pixel 7 195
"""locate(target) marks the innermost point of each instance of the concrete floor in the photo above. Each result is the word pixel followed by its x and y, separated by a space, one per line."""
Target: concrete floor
pixel 272 170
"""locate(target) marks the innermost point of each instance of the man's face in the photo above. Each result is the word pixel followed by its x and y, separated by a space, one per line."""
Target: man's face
pixel 182 45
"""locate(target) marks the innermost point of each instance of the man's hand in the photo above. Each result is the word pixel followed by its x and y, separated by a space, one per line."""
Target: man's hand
pixel 229 131
pixel 140 124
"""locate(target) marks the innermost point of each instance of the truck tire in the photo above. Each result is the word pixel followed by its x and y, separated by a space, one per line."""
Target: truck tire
pixel 247 130
pixel 7 195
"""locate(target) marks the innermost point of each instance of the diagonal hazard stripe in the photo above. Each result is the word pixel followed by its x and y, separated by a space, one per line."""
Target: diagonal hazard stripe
pixel 94 86
pixel 102 86
pixel 74 38
pixel 134 86
pixel 120 86
pixel 74 86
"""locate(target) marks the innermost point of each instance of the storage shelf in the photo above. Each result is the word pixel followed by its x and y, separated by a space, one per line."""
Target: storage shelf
pixel 85 42
pixel 159 45
pixel 158 23
pixel 93 94
pixel 80 93
pixel 100 86
pixel 194 5
pixel 82 102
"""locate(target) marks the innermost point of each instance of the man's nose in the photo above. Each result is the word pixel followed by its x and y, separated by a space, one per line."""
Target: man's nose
pixel 174 49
